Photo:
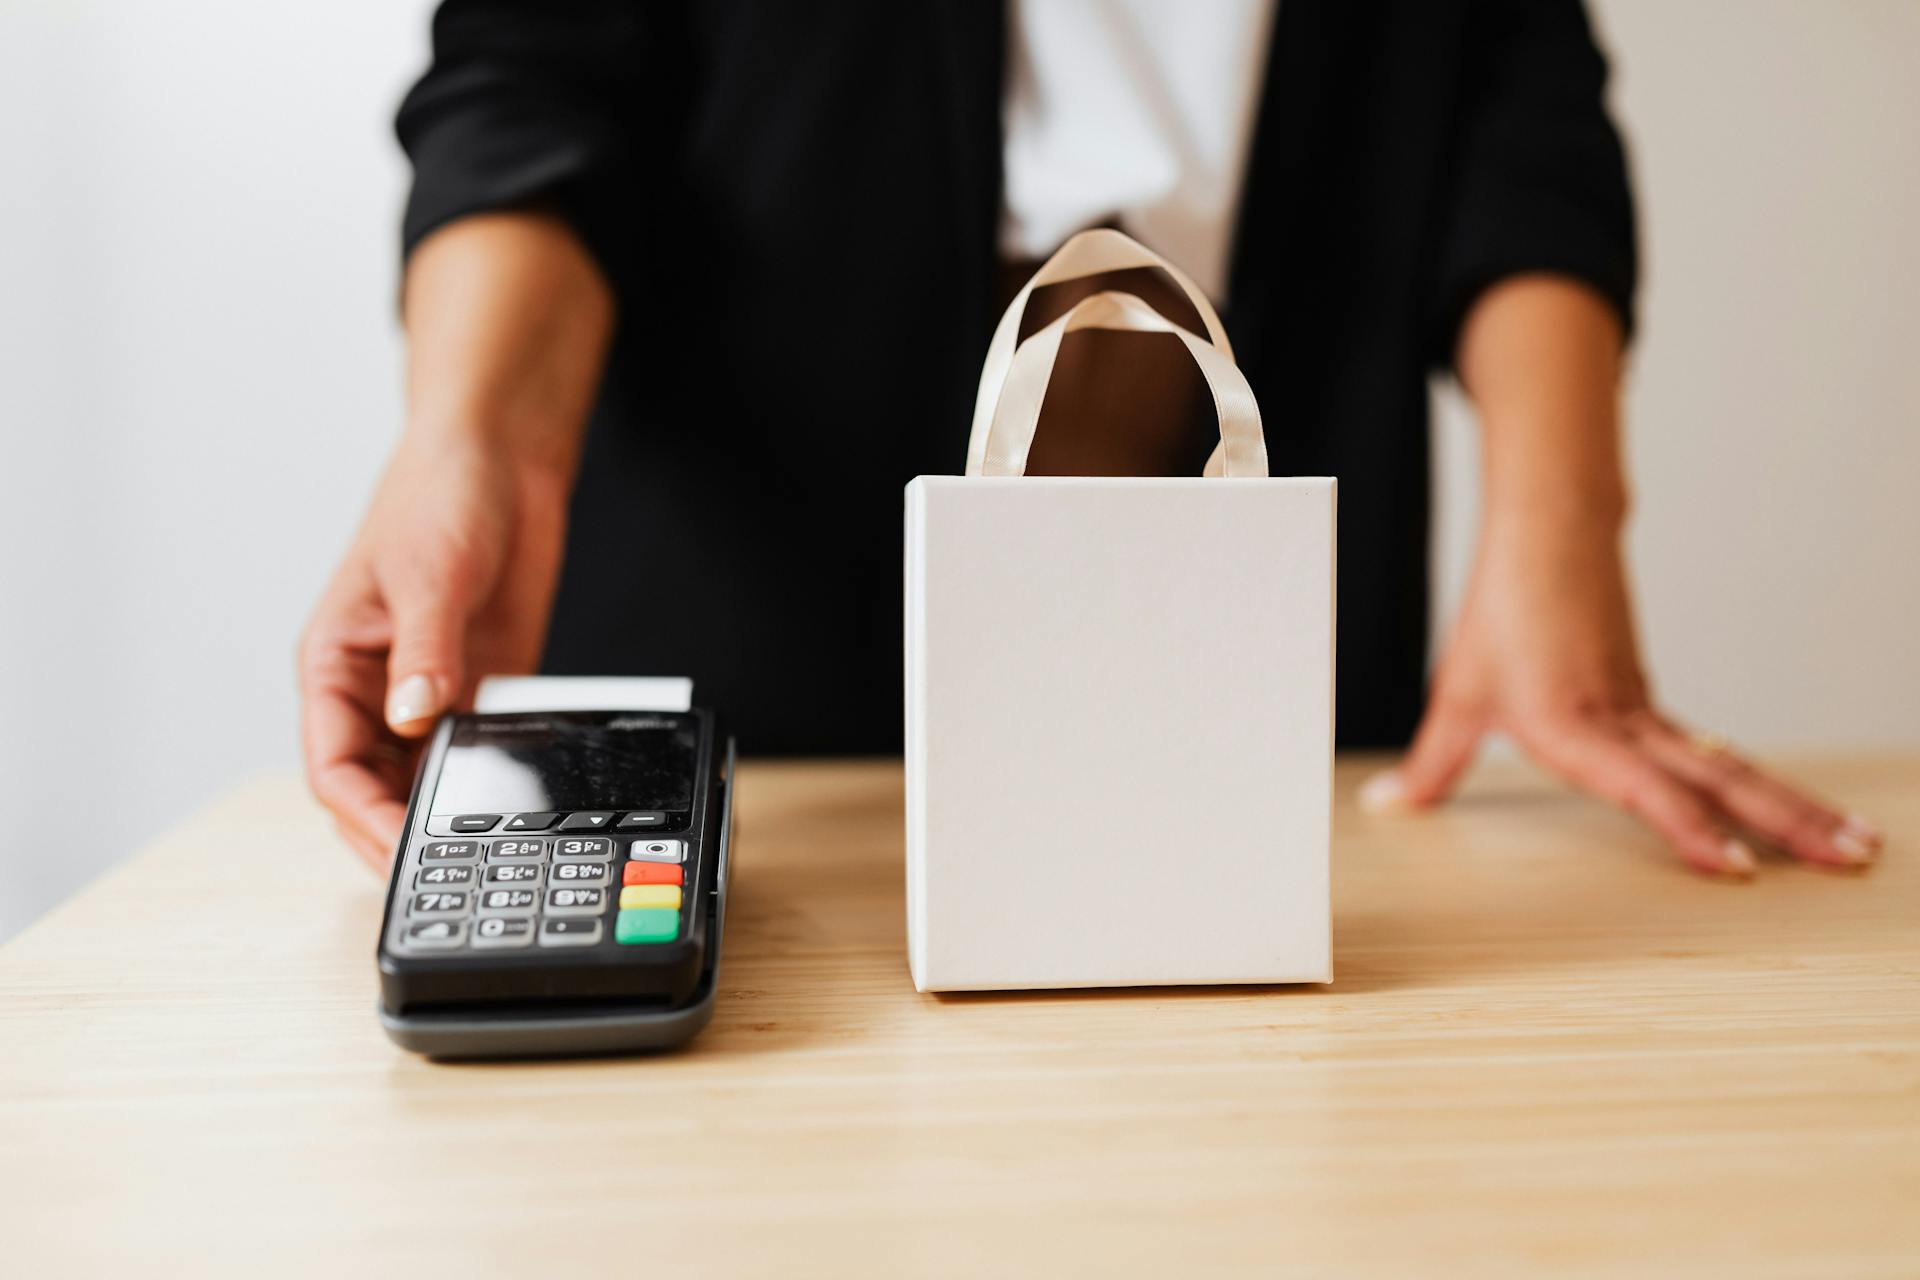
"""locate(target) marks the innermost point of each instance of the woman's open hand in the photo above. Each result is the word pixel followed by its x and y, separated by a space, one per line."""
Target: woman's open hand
pixel 1544 650
pixel 1544 646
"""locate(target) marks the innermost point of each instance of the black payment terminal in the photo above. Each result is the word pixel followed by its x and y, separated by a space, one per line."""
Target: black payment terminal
pixel 560 885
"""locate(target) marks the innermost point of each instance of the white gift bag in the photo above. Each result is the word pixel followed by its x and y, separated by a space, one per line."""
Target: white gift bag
pixel 1119 725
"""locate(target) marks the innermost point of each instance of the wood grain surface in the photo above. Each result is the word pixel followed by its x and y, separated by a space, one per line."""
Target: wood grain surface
pixel 1546 1051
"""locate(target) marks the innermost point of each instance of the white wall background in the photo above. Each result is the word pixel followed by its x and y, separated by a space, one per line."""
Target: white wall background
pixel 199 374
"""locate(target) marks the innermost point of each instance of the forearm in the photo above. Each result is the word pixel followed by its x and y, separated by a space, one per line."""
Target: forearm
pixel 508 320
pixel 1540 356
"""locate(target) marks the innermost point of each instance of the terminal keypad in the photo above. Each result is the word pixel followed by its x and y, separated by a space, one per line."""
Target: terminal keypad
pixel 556 890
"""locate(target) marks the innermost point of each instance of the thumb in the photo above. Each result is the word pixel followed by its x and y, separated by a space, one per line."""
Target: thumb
pixel 1449 734
pixel 426 663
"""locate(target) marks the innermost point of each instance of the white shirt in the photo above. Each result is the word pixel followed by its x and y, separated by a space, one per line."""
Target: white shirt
pixel 1137 109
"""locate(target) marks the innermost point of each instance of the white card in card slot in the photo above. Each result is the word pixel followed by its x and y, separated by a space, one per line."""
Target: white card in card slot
pixel 584 693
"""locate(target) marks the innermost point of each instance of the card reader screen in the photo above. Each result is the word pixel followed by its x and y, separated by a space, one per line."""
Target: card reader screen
pixel 562 761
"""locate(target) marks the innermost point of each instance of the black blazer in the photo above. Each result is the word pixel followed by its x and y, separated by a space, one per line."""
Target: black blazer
pixel 772 186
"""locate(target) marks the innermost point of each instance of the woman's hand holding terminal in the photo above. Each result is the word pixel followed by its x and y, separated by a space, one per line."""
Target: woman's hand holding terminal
pixel 452 573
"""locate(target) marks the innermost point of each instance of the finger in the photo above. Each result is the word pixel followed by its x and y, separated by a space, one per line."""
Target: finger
pixel 425 665
pixel 1449 735
pixel 346 773
pixel 360 803
pixel 350 760
pixel 373 855
pixel 1608 766
pixel 1770 808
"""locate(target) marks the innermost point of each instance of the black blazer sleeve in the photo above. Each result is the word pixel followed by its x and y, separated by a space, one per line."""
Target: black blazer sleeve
pixel 1538 175
pixel 525 104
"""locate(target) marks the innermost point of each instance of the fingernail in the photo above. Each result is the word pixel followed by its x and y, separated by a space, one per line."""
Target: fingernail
pixel 1736 857
pixel 412 699
pixel 1865 831
pixel 1383 793
pixel 1853 847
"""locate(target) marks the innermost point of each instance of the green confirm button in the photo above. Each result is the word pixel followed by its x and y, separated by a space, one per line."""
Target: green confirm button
pixel 646 924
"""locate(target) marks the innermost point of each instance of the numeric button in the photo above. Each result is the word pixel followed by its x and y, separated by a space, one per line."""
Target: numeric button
pixel 500 931
pixel 433 877
pixel 509 901
pixel 579 873
pixel 451 851
pixel 576 901
pixel 439 902
pixel 505 850
pixel 583 847
pixel 523 873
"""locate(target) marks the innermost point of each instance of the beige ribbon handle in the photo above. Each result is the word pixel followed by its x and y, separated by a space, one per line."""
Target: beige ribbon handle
pixel 1016 414
pixel 1087 254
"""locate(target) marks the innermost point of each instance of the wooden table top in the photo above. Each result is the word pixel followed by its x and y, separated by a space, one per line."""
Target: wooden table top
pixel 1546 1050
